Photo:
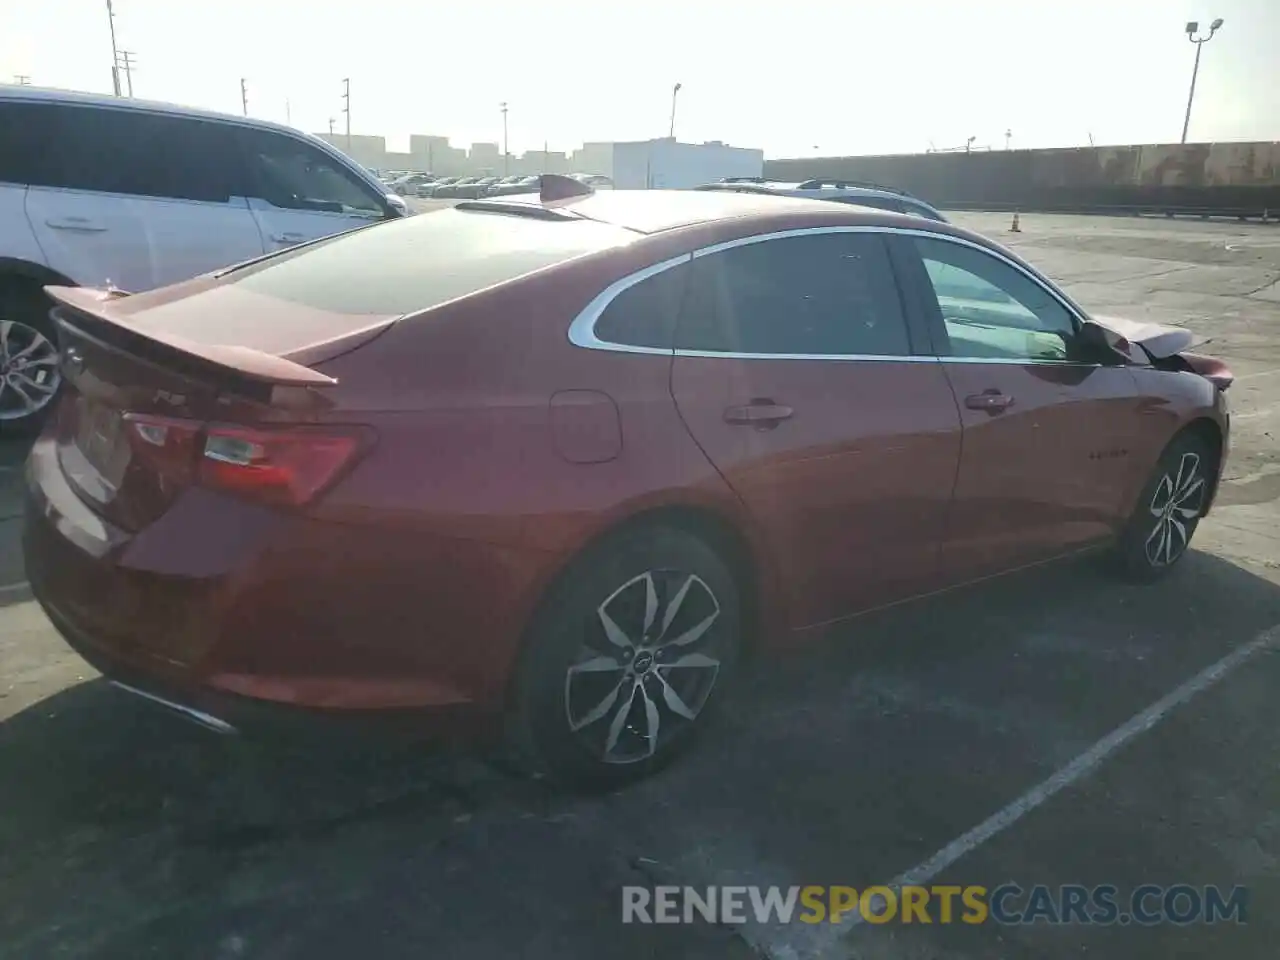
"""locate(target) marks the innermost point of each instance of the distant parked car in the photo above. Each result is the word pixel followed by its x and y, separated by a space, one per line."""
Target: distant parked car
pixel 451 189
pixel 518 186
pixel 99 191
pixel 492 189
pixel 429 189
pixel 408 186
pixel 477 188
pixel 595 181
pixel 860 193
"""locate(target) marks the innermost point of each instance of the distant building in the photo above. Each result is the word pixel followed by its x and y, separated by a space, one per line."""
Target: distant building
pixel 633 165
pixel 667 163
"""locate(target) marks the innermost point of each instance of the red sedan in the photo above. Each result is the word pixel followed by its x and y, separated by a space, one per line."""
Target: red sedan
pixel 561 463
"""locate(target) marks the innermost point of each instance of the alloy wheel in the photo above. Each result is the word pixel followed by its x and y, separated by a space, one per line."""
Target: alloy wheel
pixel 29 375
pixel 1177 502
pixel 646 667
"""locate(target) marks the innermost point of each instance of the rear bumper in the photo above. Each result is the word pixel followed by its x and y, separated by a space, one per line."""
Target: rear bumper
pixel 260 620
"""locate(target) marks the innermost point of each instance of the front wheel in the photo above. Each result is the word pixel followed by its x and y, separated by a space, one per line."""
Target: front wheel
pixel 625 659
pixel 1168 510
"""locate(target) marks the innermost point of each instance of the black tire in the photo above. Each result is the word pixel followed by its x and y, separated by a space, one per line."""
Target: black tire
pixel 1160 530
pixel 25 307
pixel 564 721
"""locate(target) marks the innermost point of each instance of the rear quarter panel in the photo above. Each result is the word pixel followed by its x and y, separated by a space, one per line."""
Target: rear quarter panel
pixel 462 401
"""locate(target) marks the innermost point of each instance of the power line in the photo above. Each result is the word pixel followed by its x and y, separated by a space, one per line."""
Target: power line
pixel 129 61
pixel 115 51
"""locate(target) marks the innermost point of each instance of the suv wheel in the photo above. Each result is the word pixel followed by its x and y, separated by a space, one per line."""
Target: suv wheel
pixel 29 373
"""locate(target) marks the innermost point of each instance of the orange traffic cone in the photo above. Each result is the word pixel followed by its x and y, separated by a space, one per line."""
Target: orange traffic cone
pixel 1016 226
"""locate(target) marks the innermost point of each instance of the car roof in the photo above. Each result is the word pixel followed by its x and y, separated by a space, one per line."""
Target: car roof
pixel 656 211
pixel 25 92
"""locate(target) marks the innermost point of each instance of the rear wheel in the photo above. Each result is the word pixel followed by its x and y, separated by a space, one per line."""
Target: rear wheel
pixel 626 659
pixel 1168 510
pixel 29 374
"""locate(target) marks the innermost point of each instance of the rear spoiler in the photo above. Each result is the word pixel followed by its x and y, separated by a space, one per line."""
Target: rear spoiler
pixel 233 360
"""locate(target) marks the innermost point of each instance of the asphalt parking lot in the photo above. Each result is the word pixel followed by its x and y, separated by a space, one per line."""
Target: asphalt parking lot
pixel 1051 728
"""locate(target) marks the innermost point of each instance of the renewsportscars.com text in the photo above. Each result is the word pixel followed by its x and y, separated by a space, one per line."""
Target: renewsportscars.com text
pixel 1009 904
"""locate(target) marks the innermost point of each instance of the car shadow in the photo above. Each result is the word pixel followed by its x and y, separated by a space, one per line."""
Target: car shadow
pixel 111 806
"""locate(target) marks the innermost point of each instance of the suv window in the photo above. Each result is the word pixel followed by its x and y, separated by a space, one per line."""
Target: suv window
pixel 878 203
pixel 819 294
pixel 119 151
pixel 991 310
pixel 644 315
pixel 293 175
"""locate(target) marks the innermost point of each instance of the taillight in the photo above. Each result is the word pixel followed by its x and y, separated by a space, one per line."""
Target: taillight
pixel 286 466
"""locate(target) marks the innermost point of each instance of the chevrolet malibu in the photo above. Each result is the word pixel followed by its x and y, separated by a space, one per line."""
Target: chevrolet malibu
pixel 560 461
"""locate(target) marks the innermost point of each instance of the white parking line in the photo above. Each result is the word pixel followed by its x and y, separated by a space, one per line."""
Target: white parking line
pixel 820 942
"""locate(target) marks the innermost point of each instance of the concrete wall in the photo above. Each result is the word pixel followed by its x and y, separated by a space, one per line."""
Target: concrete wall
pixel 1222 175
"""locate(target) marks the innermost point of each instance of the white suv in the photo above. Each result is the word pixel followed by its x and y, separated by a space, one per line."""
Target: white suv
pixel 98 191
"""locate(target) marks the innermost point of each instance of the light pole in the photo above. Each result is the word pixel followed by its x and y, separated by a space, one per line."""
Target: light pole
pixel 346 108
pixel 506 157
pixel 115 51
pixel 674 91
pixel 1192 29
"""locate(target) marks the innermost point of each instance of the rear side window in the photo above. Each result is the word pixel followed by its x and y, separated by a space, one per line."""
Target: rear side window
pixel 644 314
pixel 106 150
pixel 816 295
pixel 416 263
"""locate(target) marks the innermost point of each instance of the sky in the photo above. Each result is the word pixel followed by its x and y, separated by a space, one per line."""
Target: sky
pixel 801 78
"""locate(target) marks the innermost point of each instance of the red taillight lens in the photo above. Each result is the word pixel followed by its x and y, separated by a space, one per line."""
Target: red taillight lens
pixel 286 466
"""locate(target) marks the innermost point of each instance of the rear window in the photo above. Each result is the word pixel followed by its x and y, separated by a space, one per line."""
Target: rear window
pixel 423 261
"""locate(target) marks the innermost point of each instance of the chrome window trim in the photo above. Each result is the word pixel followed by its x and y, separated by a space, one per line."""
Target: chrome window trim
pixel 582 329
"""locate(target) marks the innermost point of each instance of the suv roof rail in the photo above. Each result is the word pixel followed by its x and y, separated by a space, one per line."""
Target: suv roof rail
pixel 743 180
pixel 847 184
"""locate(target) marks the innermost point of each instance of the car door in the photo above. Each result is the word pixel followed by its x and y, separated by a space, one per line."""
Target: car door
pixel 299 192
pixel 795 372
pixel 137 199
pixel 1048 430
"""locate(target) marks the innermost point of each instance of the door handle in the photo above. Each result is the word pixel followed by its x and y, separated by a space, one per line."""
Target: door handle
pixel 288 237
pixel 82 224
pixel 761 413
pixel 992 401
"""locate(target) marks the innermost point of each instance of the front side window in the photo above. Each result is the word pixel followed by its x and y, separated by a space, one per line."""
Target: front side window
pixel 130 152
pixel 293 175
pixel 823 294
pixel 993 311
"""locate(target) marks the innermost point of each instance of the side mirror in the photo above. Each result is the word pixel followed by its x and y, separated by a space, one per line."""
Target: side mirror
pixel 1100 345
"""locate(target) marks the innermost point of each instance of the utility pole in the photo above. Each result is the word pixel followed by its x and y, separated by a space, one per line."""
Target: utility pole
pixel 22 79
pixel 506 157
pixel 674 91
pixel 128 61
pixel 244 96
pixel 346 108
pixel 288 113
pixel 331 123
pixel 115 52
pixel 1192 29
pixel 1008 135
